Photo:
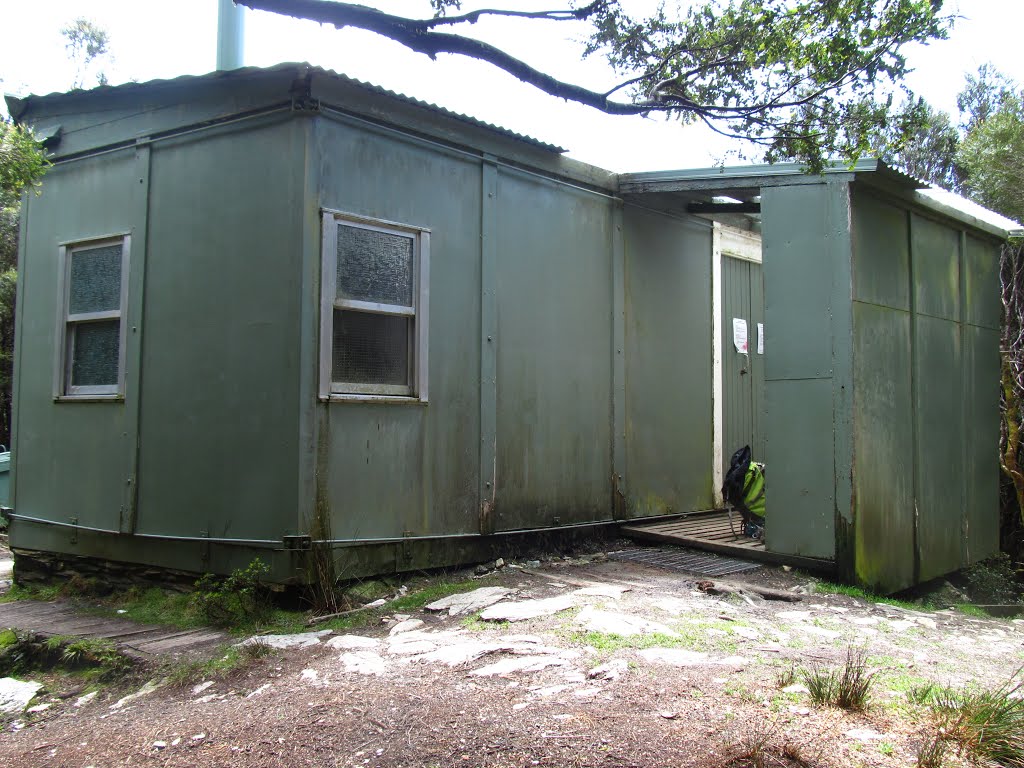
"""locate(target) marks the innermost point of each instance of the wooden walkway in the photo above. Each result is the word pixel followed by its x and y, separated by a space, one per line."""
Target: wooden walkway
pixel 144 641
pixel 712 532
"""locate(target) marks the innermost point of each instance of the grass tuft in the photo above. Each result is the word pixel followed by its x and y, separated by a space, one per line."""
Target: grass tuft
pixel 847 687
pixel 931 753
pixel 988 724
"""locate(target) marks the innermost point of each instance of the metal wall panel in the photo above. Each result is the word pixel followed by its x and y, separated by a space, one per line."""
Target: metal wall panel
pixel 883 480
pixel 668 364
pixel 981 416
pixel 388 469
pixel 554 281
pixel 881 267
pixel 935 251
pixel 797 282
pixel 72 460
pixel 804 238
pixel 800 496
pixel 219 418
pixel 939 467
pixel 982 305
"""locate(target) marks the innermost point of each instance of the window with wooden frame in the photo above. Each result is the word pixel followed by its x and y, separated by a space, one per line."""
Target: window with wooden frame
pixel 94 279
pixel 373 334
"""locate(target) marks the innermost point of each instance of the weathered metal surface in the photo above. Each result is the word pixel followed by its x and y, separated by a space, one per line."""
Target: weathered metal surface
pixel 220 354
pixel 881 263
pixel 981 417
pixel 554 363
pixel 939 459
pixel 393 468
pixel 803 239
pixel 71 458
pixel 668 363
pixel 800 490
pixel 883 444
pixel 935 251
pixel 981 283
pixel 798 283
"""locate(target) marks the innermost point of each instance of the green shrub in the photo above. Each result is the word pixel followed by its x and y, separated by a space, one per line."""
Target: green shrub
pixel 241 599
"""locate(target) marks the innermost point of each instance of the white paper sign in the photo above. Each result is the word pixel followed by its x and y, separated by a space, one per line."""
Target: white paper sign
pixel 760 338
pixel 739 335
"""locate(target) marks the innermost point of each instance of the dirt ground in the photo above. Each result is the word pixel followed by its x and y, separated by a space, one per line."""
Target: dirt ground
pixel 698 684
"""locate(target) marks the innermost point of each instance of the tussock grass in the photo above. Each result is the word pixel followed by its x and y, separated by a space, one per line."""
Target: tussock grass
pixel 847 687
pixel 987 724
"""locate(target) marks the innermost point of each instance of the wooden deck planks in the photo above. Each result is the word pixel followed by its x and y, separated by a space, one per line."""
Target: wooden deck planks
pixel 712 532
pixel 62 618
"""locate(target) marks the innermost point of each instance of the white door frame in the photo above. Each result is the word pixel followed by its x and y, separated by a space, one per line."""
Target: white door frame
pixel 736 244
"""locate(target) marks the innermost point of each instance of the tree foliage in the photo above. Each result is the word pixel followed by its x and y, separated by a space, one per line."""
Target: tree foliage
pixel 799 78
pixel 87 43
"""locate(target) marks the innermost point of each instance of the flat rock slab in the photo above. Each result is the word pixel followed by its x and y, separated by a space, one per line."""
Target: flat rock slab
pixel 602 590
pixel 470 602
pixel 352 642
pixel 519 665
pixel 608 623
pixel 680 657
pixel 298 640
pixel 16 694
pixel 363 663
pixel 527 609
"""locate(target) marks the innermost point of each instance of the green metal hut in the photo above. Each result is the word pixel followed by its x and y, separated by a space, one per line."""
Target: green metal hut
pixel 278 312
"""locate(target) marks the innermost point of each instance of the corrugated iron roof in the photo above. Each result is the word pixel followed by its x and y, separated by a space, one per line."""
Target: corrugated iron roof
pixel 18 106
pixel 747 175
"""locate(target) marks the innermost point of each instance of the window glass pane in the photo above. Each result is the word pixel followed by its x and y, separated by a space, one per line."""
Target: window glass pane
pixel 95 280
pixel 374 266
pixel 370 349
pixel 95 348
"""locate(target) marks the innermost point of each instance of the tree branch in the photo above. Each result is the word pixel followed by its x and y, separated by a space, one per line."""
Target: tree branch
pixel 414 35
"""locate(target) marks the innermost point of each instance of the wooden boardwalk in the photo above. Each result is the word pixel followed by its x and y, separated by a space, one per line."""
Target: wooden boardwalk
pixel 711 531
pixel 144 641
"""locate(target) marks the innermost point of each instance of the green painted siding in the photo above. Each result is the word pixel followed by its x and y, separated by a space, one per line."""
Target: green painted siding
pixel 218 441
pixel 71 459
pixel 742 374
pixel 926 399
pixel 804 232
pixel 554 360
pixel 391 468
pixel 883 444
pixel 668 364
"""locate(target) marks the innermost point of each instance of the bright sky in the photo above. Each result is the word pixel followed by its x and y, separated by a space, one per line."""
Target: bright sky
pixel 152 40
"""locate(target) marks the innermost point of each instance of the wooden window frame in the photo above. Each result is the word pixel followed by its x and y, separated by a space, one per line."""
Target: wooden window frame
pixel 62 387
pixel 416 390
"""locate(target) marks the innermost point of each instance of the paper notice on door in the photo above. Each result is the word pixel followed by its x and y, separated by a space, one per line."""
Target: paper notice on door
pixel 760 338
pixel 739 335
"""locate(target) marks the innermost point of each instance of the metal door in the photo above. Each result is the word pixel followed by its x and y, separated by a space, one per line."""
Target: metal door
pixel 742 371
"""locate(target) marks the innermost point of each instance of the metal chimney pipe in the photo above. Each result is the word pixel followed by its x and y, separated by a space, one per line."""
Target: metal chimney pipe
pixel 230 35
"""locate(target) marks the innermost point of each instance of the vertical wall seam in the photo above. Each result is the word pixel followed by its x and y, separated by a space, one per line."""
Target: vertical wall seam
pixel 618 349
pixel 488 341
pixel 135 328
pixel 310 238
pixel 965 543
pixel 914 375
